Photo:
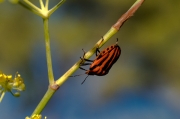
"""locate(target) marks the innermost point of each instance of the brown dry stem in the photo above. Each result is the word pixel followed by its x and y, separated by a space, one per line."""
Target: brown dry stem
pixel 127 15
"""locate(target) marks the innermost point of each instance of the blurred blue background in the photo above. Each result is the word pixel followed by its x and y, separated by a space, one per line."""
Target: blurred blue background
pixel 143 84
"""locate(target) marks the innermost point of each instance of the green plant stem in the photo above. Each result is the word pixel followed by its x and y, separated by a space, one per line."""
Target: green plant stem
pixel 56 7
pixel 2 96
pixel 44 101
pixel 48 52
pixel 32 5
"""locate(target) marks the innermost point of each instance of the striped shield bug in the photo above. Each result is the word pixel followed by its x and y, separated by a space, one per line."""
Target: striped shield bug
pixel 103 62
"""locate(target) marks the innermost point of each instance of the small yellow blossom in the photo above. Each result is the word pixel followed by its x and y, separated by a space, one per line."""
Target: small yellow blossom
pixel 36 116
pixel 8 84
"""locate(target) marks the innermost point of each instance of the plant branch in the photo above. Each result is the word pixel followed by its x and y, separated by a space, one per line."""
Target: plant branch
pixel 44 101
pixel 128 14
pixel 56 7
pixel 27 6
pixel 32 6
pixel 48 52
pixel 41 4
pixel 47 4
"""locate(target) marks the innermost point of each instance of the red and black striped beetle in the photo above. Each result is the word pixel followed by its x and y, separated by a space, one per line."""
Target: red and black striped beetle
pixel 103 62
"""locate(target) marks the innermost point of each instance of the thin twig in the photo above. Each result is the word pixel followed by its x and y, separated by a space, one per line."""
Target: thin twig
pixel 128 14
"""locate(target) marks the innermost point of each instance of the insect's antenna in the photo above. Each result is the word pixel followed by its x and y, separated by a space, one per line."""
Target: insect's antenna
pixel 84 79
pixel 76 75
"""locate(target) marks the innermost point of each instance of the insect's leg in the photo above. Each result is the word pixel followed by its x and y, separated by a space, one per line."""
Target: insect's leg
pixel 85 60
pixel 97 50
pixel 76 75
pixel 85 64
pixel 84 52
pixel 83 69
pixel 102 39
pixel 84 80
pixel 117 41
